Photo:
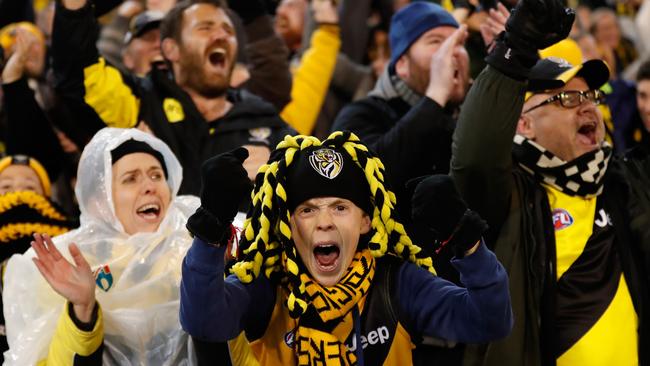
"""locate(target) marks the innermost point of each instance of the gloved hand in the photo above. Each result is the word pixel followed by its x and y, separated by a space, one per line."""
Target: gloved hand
pixel 533 25
pixel 224 185
pixel 437 205
pixel 248 10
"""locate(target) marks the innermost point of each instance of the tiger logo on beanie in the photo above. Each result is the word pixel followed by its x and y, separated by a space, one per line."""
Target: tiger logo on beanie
pixel 326 162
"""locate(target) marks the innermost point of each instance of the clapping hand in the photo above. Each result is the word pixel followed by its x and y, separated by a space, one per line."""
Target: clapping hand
pixel 15 67
pixel 445 67
pixel 494 24
pixel 325 12
pixel 75 282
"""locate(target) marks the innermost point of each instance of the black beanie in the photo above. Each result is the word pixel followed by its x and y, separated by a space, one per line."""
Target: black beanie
pixel 324 171
pixel 133 146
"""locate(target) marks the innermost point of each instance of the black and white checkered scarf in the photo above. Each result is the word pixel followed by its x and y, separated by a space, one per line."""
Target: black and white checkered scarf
pixel 581 177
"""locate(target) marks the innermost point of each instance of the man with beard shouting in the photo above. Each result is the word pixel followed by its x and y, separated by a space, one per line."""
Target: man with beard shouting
pixel 187 104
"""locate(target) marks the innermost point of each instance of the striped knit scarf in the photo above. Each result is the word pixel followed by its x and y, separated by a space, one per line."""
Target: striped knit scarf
pixel 582 176
pixel 323 329
pixel 25 213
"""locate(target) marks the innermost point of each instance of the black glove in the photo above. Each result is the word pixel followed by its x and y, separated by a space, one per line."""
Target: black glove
pixel 437 205
pixel 248 10
pixel 533 25
pixel 224 184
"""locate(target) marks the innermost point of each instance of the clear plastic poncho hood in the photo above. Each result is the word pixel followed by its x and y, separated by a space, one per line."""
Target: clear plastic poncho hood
pixel 140 297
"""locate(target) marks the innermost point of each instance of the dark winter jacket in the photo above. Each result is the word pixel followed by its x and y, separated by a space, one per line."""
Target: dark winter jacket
pixel 521 228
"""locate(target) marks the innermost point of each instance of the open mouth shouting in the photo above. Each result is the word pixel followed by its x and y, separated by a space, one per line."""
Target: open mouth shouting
pixel 217 57
pixel 326 256
pixel 150 212
pixel 588 134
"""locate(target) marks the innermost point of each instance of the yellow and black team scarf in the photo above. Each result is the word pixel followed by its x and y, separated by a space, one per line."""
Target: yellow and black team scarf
pixel 268 248
pixel 321 339
pixel 582 177
pixel 25 213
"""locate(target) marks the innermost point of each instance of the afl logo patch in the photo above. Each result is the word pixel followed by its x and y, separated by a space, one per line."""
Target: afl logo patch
pixel 290 338
pixel 561 219
pixel 326 162
pixel 104 278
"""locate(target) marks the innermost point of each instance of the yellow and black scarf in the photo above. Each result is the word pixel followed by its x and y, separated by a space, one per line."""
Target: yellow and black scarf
pixel 329 319
pixel 25 213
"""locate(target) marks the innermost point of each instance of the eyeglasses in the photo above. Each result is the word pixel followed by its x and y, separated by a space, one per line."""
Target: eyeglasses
pixel 573 98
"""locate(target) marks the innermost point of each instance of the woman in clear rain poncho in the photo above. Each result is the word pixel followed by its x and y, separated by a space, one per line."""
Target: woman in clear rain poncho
pixel 133 237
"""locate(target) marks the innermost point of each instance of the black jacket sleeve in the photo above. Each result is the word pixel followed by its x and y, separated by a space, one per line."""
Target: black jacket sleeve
pixel 482 149
pixel 355 42
pixel 29 131
pixel 112 98
pixel 12 11
pixel 74 35
pixel 268 59
pixel 418 143
pixel 105 6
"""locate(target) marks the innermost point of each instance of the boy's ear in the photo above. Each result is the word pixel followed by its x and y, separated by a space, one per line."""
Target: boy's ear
pixel 365 224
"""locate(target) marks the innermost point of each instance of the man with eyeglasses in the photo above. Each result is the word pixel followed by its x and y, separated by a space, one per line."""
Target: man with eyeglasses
pixel 560 113
pixel 572 98
pixel 568 220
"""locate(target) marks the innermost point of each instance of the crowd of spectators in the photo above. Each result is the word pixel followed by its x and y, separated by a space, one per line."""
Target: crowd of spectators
pixel 149 148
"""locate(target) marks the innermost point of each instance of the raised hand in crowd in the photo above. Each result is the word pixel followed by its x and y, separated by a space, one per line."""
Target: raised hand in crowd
pixel 224 186
pixel 17 62
pixel 131 8
pixel 494 24
pixel 437 205
pixel 445 71
pixel 533 25
pixel 257 156
pixel 325 12
pixel 75 282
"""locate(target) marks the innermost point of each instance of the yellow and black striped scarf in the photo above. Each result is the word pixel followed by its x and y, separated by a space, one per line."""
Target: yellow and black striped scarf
pixel 328 321
pixel 24 213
